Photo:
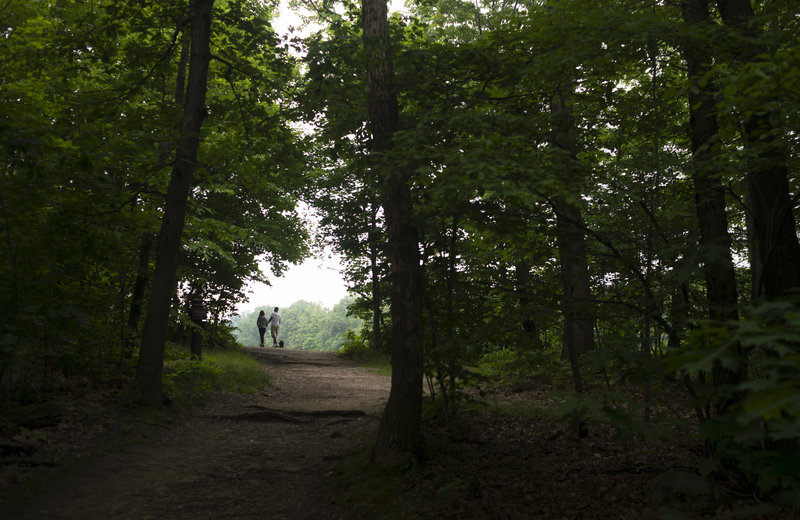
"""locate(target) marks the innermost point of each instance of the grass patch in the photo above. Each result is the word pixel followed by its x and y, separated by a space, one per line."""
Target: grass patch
pixel 240 373
pixel 519 370
pixel 191 382
pixel 381 364
pixel 356 348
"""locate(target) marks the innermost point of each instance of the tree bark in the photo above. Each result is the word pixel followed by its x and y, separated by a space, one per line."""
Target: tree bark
pixel 147 387
pixel 578 318
pixel 767 172
pixel 709 192
pixel 400 424
pixel 756 287
pixel 571 239
pixel 715 242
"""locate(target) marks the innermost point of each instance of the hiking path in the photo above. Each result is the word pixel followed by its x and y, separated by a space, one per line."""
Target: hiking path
pixel 245 456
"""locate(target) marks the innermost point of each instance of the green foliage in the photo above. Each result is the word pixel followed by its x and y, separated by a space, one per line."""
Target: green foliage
pixel 89 112
pixel 358 349
pixel 515 369
pixel 189 382
pixel 755 444
pixel 355 346
pixel 616 408
pixel 240 372
pixel 220 336
pixel 88 120
pixel 771 332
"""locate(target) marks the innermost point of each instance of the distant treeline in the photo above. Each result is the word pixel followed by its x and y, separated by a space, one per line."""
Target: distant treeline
pixel 304 325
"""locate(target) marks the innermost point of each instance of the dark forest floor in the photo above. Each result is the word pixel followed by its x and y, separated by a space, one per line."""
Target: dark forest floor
pixel 291 453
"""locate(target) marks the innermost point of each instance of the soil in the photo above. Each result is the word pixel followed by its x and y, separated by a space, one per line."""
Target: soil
pixel 244 456
pixel 276 455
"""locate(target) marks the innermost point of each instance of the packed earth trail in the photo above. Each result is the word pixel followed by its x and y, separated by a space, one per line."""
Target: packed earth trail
pixel 268 455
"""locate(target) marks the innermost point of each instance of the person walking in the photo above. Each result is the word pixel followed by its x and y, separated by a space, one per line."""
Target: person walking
pixel 261 323
pixel 275 323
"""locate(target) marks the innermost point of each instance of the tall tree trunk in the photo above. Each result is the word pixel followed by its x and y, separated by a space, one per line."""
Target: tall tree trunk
pixel 578 319
pixel 147 386
pixel 715 242
pixel 400 424
pixel 709 192
pixel 772 208
pixel 571 239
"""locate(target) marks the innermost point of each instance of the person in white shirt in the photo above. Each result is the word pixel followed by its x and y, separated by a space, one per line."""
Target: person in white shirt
pixel 274 324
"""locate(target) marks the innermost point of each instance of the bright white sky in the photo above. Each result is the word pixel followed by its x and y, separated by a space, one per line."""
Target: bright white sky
pixel 317 280
pixel 287 17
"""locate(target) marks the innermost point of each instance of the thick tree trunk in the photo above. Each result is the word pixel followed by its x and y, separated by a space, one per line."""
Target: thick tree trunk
pixel 578 318
pixel 715 242
pixel 400 425
pixel 709 193
pixel 147 386
pixel 772 209
pixel 571 239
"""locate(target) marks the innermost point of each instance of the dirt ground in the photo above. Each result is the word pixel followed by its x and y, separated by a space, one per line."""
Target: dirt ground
pixel 243 457
pixel 273 456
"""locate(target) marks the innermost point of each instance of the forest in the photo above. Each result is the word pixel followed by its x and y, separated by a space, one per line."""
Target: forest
pixel 599 195
pixel 304 325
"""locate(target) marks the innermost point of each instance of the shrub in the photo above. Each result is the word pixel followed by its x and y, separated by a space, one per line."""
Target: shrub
pixel 355 346
pixel 516 369
pixel 755 444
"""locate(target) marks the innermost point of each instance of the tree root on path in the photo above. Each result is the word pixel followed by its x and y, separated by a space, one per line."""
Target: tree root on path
pixel 289 416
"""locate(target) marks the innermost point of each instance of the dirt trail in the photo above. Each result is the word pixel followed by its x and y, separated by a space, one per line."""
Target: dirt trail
pixel 244 457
